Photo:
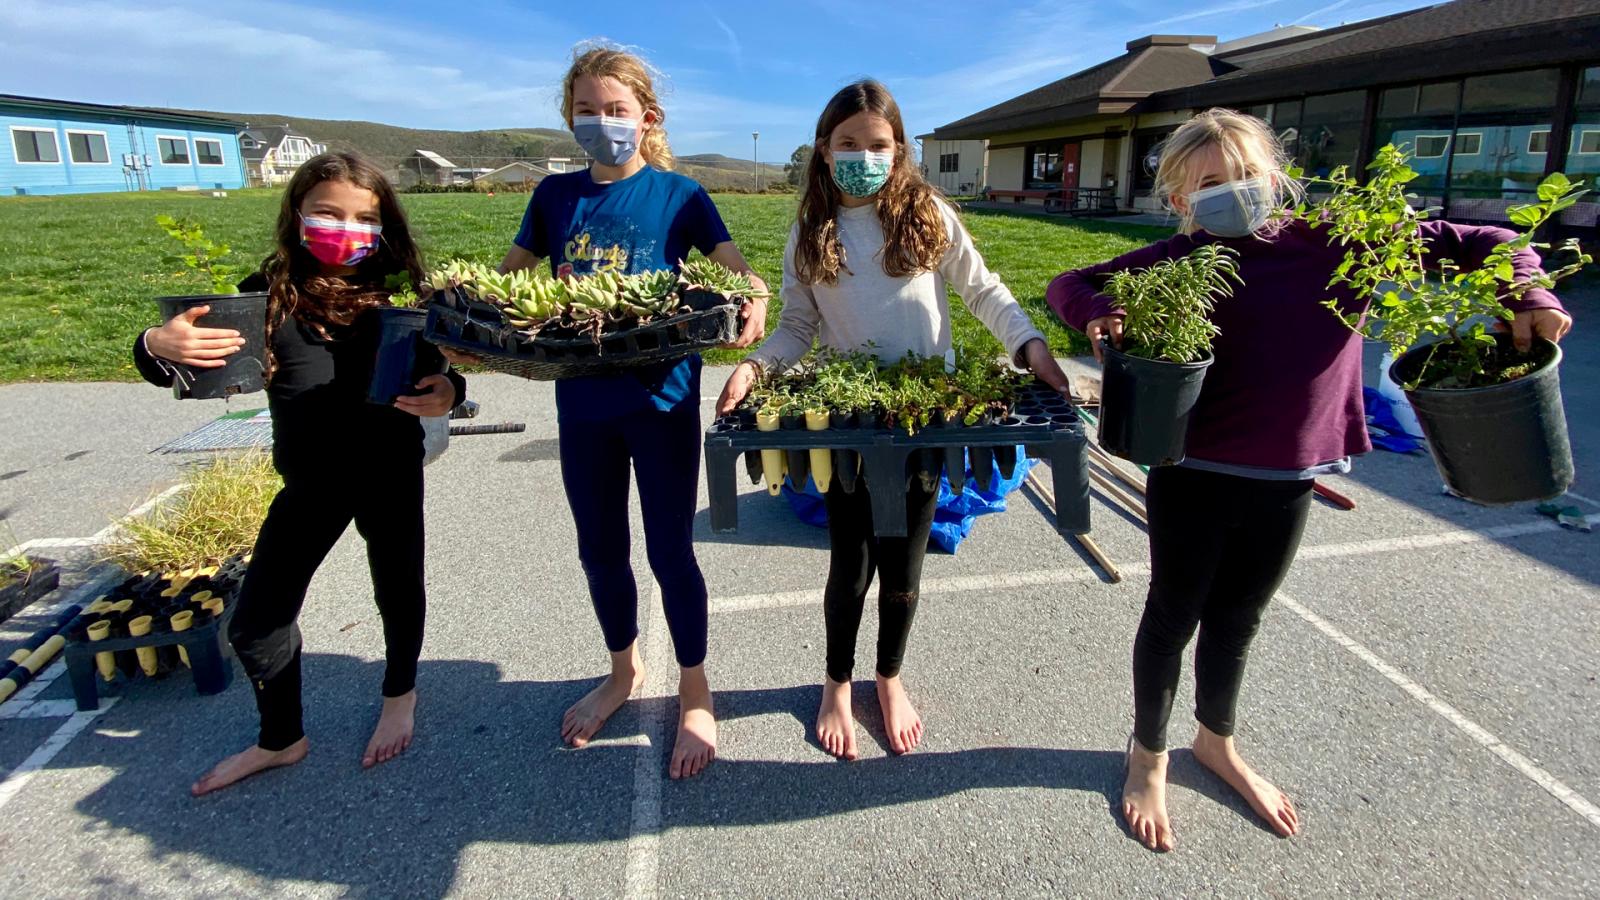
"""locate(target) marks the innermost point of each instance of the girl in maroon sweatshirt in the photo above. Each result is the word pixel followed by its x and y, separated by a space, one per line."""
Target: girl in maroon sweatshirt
pixel 1280 405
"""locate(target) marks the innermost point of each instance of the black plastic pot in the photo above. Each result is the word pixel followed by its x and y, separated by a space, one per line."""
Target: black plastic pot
pixel 403 358
pixel 1145 406
pixel 799 460
pixel 983 467
pixel 245 371
pixel 846 463
pixel 1506 443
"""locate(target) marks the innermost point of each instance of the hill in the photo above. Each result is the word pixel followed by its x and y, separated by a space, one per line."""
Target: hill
pixel 388 144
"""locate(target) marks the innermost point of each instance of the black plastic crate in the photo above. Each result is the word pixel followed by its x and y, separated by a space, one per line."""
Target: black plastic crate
pixel 481 329
pixel 1042 421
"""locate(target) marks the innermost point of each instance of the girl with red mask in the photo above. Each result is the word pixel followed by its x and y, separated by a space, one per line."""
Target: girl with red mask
pixel 341 236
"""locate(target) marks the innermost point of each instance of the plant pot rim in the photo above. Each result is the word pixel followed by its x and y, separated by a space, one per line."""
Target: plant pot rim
pixel 238 295
pixel 1205 360
pixel 1552 362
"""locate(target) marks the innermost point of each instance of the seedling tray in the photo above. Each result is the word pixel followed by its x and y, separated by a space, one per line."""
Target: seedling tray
pixel 481 329
pixel 205 642
pixel 1042 421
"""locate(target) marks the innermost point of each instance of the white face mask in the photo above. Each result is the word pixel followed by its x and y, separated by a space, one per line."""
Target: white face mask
pixel 1232 209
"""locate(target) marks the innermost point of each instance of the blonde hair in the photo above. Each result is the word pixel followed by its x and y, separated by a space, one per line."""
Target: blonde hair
pixel 1248 146
pixel 632 73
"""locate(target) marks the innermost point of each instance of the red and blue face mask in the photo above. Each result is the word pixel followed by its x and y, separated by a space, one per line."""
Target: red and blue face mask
pixel 337 243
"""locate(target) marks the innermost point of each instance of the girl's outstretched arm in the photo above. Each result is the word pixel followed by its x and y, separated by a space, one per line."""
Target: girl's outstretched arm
pixel 983 292
pixel 755 312
pixel 1076 298
pixel 1539 313
pixel 798 323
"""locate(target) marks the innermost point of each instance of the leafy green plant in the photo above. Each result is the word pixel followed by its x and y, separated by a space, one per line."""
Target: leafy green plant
pixel 710 275
pixel 1168 305
pixel 533 299
pixel 1386 259
pixel 402 292
pixel 16 568
pixel 217 515
pixel 200 254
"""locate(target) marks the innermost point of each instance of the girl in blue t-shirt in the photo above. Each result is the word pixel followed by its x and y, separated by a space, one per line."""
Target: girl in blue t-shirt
pixel 628 213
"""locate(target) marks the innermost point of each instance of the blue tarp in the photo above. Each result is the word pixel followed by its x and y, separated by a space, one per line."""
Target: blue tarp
pixel 955 515
pixel 1385 429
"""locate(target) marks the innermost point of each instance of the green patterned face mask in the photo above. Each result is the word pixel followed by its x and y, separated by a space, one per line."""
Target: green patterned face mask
pixel 861 173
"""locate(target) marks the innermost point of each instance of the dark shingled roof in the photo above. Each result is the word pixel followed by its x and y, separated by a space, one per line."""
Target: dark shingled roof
pixel 1149 65
pixel 1444 41
pixel 140 112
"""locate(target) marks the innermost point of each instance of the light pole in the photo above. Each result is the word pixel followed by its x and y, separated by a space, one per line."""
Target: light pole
pixel 755 152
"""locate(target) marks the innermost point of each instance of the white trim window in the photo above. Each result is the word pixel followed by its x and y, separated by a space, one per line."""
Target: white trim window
pixel 88 148
pixel 173 149
pixel 1539 141
pixel 1586 142
pixel 1469 143
pixel 35 146
pixel 1432 146
pixel 203 153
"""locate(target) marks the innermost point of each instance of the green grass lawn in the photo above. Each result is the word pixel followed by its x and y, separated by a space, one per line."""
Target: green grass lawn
pixel 78 273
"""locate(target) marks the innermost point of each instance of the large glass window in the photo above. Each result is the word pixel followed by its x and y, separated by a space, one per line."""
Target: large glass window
pixel 1044 167
pixel 1330 131
pixel 208 151
pixel 1423 118
pixel 1512 113
pixel 174 151
pixel 87 147
pixel 1146 158
pixel 1583 153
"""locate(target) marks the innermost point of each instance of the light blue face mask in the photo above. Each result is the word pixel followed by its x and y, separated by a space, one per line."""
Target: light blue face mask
pixel 608 141
pixel 861 173
pixel 1234 209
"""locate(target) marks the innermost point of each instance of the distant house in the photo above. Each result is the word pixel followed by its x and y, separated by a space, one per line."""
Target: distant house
pixel 273 153
pixel 518 174
pixel 425 167
pixel 66 147
pixel 1491 95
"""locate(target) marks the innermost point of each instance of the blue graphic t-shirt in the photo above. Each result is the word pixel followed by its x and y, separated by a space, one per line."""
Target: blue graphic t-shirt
pixel 648 221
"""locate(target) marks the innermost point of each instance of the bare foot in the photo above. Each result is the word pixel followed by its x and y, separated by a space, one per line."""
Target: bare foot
pixel 1217 753
pixel 587 716
pixel 242 765
pixel 900 718
pixel 393 735
pixel 697 725
pixel 1144 798
pixel 836 728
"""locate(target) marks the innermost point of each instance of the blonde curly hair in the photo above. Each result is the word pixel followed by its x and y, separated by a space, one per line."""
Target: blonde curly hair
pixel 632 73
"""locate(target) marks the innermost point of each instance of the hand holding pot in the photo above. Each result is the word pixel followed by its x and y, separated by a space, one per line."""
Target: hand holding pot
pixel 1550 324
pixel 181 341
pixel 1104 327
pixel 1043 365
pixel 439 399
pixel 744 375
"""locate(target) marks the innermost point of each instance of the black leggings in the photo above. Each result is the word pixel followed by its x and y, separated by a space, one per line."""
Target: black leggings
pixel 855 554
pixel 305 521
pixel 1219 547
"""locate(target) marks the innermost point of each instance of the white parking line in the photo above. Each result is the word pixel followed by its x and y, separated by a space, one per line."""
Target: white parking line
pixel 644 830
pixel 21 775
pixel 1575 801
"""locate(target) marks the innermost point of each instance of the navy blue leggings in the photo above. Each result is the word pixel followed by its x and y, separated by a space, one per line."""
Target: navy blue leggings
pixel 664 448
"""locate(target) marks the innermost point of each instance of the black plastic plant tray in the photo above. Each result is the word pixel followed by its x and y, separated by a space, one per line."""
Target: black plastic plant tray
pixel 1042 421
pixel 480 329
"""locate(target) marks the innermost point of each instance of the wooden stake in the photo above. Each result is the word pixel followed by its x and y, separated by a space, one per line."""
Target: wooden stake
pixel 1117 493
pixel 1333 496
pixel 1109 463
pixel 1083 540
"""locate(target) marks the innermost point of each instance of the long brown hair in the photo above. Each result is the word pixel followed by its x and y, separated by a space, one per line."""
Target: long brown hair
pixel 629 71
pixel 914 236
pixel 325 302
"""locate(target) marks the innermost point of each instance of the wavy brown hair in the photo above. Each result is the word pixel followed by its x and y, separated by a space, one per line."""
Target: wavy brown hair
pixel 914 236
pixel 629 71
pixel 329 303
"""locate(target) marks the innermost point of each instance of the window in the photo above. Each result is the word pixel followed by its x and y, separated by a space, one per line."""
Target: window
pixel 1512 112
pixel 35 145
pixel 174 150
pixel 1587 141
pixel 1539 141
pixel 88 147
pixel 1043 171
pixel 1330 131
pixel 208 152
pixel 1469 143
pixel 1431 146
pixel 1146 159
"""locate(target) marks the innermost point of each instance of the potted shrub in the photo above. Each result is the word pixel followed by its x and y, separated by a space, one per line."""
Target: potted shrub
pixel 401 357
pixel 1150 385
pixel 1492 415
pixel 245 371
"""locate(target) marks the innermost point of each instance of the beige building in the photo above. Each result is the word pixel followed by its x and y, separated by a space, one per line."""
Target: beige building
pixel 958 168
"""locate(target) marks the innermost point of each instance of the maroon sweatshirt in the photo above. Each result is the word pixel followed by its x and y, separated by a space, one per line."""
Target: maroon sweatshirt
pixel 1285 389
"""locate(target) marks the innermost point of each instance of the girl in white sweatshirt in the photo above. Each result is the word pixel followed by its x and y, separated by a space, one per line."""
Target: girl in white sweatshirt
pixel 865 269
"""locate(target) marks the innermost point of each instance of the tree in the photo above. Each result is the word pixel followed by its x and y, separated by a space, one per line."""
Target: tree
pixel 795 170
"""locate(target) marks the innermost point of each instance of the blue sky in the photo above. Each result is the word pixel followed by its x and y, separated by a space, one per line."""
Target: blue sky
pixel 731 68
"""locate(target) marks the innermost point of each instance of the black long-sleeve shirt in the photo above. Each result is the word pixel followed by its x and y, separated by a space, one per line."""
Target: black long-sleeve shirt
pixel 321 419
